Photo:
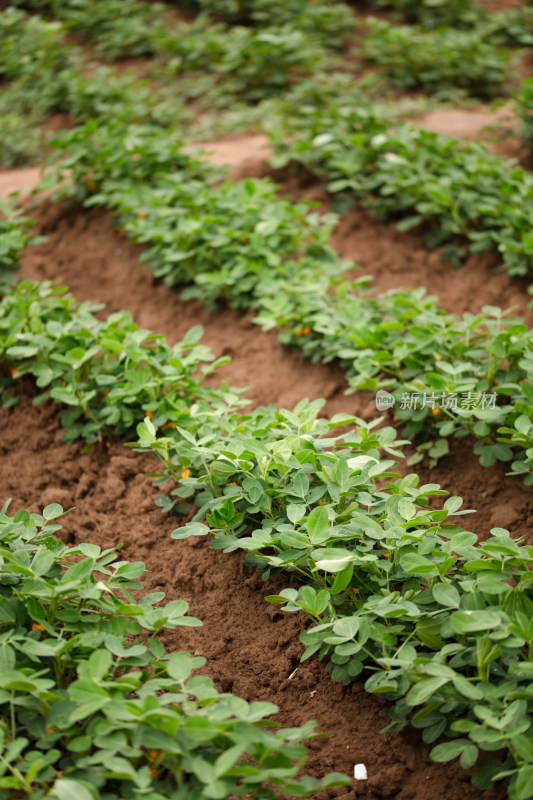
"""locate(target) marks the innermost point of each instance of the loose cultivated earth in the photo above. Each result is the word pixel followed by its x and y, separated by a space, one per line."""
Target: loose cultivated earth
pixel 253 648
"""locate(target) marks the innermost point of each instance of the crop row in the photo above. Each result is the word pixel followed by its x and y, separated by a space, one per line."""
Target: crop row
pixel 441 622
pixel 91 703
pixel 217 63
pixel 240 243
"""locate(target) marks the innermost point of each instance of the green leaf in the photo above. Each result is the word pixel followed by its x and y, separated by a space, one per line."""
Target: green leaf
pixel 52 511
pixel 467 688
pixel 469 756
pixel 180 666
pixel 453 504
pixel 523 424
pixel 523 787
pixel 449 750
pixel 332 559
pixel 318 524
pixel 99 663
pixel 446 595
pixel 200 729
pixel 406 508
pixel 343 579
pixel 422 691
pixel 295 512
pixel 472 621
pixel 190 529
pixel 67 789
pixel 418 565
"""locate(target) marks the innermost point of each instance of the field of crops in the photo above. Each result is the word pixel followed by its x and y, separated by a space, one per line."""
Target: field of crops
pixel 266 399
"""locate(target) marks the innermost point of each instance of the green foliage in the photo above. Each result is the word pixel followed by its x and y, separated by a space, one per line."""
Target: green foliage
pixel 117 28
pixel 438 61
pixel 23 108
pixel 14 237
pixel 34 50
pixel 390 584
pixel 225 239
pixel 433 13
pixel 512 28
pixel 523 105
pixel 242 58
pixel 456 188
pixel 329 22
pixel 108 95
pixel 468 374
pixel 107 374
pixel 90 702
pixel 120 157
pixel 207 464
pixel 241 244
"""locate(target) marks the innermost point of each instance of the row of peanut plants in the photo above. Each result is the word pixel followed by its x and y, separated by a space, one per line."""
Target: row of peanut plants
pixel 92 705
pixel 219 61
pixel 241 244
pixel 200 63
pixel 397 593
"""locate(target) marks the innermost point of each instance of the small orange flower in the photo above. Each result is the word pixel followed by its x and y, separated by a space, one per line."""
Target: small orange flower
pixel 105 392
pixel 167 425
pixel 36 627
pixel 186 473
pixel 153 772
pixel 12 371
pixel 141 215
pixel 149 414
pixel 59 774
pixel 50 730
pixel 356 590
pixel 306 331
pixel 100 439
pixel 321 502
pixel 108 445
pixel 152 755
pixel 395 419
pixel 435 412
pixel 386 555
pixel 232 483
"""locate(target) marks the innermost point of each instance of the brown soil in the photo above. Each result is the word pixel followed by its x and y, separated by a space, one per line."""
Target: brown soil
pixel 252 648
pixel 87 254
